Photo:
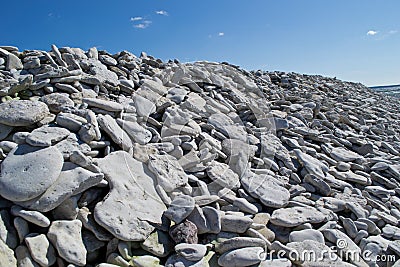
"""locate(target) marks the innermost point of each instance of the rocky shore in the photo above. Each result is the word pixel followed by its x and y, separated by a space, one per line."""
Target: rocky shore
pixel 118 160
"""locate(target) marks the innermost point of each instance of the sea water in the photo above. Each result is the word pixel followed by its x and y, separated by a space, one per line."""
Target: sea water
pixel 393 90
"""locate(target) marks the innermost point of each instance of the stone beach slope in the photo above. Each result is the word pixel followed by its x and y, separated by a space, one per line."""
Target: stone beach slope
pixel 118 160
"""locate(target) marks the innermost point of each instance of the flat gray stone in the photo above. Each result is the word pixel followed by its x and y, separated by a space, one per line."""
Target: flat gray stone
pixel 169 173
pixel 28 171
pixel 295 216
pixel 13 62
pixel 225 125
pixel 116 133
pixel 97 73
pixel 235 223
pixel 180 208
pixel 342 154
pixel 22 112
pixel 32 216
pixel 221 174
pixel 46 136
pixel 306 234
pixel 311 164
pixel 266 188
pixel 71 144
pixel 72 180
pixel 241 257
pixel 70 121
pixel 132 201
pixel 40 249
pixel 103 104
pixel 144 107
pixel 191 252
pixel 66 236
pixel 57 101
pixel 137 133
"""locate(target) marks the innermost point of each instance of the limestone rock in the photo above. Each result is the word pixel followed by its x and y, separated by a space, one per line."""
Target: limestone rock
pixel 132 201
pixel 72 180
pixel 28 171
pixel 66 236
pixel 291 217
pixel 22 112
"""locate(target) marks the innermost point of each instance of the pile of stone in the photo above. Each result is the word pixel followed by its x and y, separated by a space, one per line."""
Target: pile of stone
pixel 118 160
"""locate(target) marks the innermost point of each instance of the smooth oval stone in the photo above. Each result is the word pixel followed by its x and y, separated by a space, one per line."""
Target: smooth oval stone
pixel 307 234
pixel 191 252
pixel 241 257
pixel 235 223
pixel 28 171
pixel 22 112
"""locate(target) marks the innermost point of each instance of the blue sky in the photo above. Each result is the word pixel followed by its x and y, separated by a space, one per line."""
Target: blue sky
pixel 355 40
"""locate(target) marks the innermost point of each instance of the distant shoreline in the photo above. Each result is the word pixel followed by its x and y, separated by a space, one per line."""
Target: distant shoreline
pixel 384 86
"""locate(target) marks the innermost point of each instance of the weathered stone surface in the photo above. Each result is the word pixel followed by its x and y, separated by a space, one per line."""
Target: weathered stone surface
pixel 103 104
pixel 46 136
pixel 66 236
pixel 223 175
pixel 7 257
pixel 132 201
pixel 28 171
pixel 116 133
pixel 137 133
pixel 72 180
pixel 22 112
pixel 235 223
pixel 169 173
pixel 40 249
pixel 56 102
pixel 291 217
pixel 266 188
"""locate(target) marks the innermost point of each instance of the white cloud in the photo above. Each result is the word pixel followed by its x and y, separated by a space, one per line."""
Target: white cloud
pixel 221 34
pixel 143 25
pixel 162 12
pixel 136 18
pixel 372 33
